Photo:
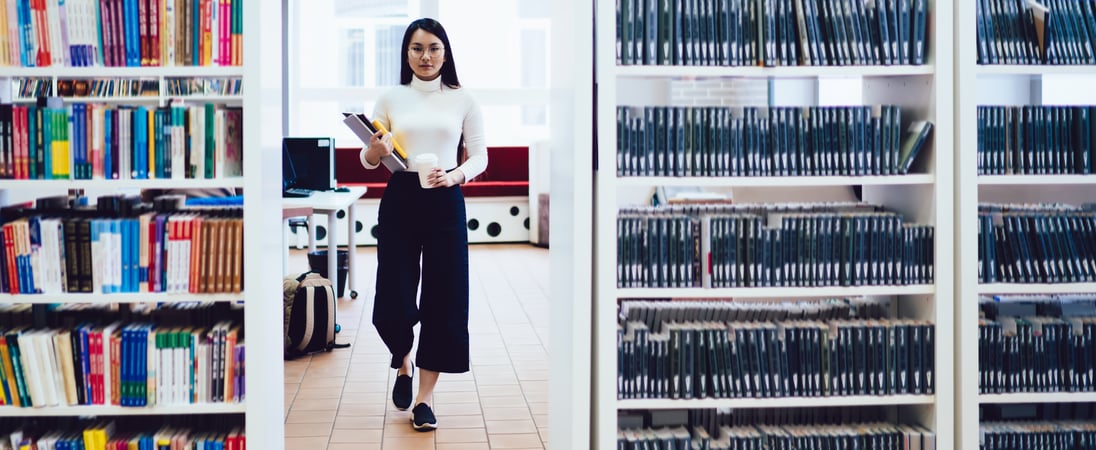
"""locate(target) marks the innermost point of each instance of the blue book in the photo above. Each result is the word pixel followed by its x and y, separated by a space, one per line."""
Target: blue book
pixel 108 168
pixel 123 253
pixel 85 362
pixel 26 56
pixel 34 235
pixel 141 378
pixel 140 141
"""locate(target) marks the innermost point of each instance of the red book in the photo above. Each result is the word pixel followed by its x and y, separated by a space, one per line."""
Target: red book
pixel 154 32
pixel 106 27
pixel 143 33
pixel 9 252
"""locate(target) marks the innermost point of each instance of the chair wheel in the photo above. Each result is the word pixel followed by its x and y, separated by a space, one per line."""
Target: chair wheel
pixel 353 294
pixel 338 328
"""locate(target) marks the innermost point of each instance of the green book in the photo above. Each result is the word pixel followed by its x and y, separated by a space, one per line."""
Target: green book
pixel 916 140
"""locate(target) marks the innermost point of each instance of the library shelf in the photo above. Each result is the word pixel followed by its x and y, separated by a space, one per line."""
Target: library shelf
pixel 785 181
pixel 114 410
pixel 1035 180
pixel 121 297
pixel 144 99
pixel 775 292
pixel 155 183
pixel 1037 70
pixel 124 72
pixel 772 72
pixel 1038 397
pixel 1036 288
pixel 780 402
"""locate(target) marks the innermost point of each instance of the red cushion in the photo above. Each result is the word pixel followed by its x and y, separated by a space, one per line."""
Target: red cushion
pixel 507 173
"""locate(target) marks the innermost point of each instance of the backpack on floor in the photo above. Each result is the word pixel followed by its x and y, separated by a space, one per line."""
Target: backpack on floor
pixel 309 320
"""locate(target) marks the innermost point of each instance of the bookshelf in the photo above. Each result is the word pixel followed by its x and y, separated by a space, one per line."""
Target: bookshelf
pixel 978 85
pixel 924 196
pixel 261 413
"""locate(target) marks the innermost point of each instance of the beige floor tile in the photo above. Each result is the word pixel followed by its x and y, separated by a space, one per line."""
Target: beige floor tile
pixel 362 409
pixel 459 409
pixel 297 430
pixel 402 443
pixel 397 417
pixel 319 393
pixel 507 414
pixel 464 446
pixel 500 390
pixel 310 416
pixel 456 397
pixel 511 426
pixel 365 386
pixel 509 401
pixel 355 436
pixel 338 370
pixel 315 404
pixel 305 443
pixel 323 382
pixel 538 408
pixel 455 386
pixel 365 398
pixel 540 419
pixel 513 441
pixel 354 446
pixel 536 397
pixel 460 435
pixel 359 422
pixel 460 421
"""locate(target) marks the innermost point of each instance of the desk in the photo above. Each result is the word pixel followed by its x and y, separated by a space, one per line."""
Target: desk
pixel 331 202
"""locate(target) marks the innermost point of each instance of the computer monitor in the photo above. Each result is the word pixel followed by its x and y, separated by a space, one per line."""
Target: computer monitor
pixel 308 163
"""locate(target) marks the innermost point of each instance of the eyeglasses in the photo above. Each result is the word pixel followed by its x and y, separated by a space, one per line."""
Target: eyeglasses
pixel 434 52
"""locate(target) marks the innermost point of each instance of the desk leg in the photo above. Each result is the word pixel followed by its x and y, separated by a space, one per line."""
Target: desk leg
pixel 311 233
pixel 351 224
pixel 285 245
pixel 332 253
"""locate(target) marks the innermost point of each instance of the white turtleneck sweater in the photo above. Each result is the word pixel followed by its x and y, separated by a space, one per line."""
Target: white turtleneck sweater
pixel 429 117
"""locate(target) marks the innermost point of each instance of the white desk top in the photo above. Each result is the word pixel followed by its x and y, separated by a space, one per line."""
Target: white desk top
pixel 326 201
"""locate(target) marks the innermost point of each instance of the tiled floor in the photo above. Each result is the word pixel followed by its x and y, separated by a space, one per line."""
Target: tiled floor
pixel 341 400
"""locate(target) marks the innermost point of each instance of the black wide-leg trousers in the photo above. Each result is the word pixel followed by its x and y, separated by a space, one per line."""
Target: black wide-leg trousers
pixel 416 223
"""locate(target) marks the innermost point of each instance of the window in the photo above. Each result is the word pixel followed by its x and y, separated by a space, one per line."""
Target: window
pixel 345 53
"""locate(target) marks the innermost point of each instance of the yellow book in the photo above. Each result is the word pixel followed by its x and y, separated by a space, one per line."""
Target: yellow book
pixel 151 143
pixel 9 373
pixel 395 145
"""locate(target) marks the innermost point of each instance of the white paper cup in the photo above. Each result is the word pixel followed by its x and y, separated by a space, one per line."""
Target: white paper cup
pixel 424 164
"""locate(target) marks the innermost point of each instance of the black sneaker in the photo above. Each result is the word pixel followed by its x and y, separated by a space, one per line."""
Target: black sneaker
pixel 422 418
pixel 401 391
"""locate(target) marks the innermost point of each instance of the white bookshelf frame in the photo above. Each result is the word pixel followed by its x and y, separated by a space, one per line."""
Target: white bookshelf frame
pixel 927 90
pixel 1027 80
pixel 264 413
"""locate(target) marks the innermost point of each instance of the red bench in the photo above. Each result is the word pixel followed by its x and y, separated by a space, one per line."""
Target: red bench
pixel 507 173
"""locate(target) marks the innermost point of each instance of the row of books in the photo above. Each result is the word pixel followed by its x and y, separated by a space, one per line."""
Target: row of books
pixel 105 435
pixel 796 358
pixel 125 364
pixel 1036 31
pixel 203 86
pixel 771 32
pixel 1037 354
pixel 99 141
pixel 1036 244
pixel 863 436
pixel 774 141
pixel 654 313
pixel 195 252
pixel 78 33
pixel 1012 435
pixel 1036 139
pixel 657 248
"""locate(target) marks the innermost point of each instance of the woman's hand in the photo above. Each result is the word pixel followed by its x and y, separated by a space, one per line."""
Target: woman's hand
pixel 439 178
pixel 380 146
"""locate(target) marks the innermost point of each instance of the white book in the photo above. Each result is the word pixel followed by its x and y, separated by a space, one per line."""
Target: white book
pixel 215 32
pixel 164 373
pixel 167 33
pixel 55 386
pixel 32 372
pixel 153 366
pixel 14 48
pixel 62 341
pixel 53 24
pixel 197 141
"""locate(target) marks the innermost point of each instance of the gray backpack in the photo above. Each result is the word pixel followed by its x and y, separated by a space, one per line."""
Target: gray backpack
pixel 309 320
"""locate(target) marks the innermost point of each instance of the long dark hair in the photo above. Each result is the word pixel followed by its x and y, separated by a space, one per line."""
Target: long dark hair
pixel 448 69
